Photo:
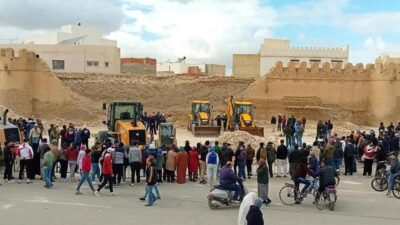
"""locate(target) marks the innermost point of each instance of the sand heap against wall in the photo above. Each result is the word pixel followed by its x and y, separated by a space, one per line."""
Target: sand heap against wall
pixel 169 95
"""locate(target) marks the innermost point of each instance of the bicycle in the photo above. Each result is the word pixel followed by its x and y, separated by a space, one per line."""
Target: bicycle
pixel 329 196
pixel 381 184
pixel 289 194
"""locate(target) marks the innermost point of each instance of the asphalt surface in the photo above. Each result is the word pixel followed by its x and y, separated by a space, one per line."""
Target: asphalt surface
pixel 25 203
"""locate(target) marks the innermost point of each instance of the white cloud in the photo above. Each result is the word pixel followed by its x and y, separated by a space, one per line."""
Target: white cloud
pixel 202 30
pixel 44 14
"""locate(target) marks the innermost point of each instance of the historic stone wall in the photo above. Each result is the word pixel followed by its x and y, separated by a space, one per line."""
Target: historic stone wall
pixel 26 83
pixel 365 94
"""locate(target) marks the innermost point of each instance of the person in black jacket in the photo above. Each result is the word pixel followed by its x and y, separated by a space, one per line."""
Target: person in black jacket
pixel 9 161
pixel 255 216
pixel 326 176
pixel 295 158
pixel 349 154
pixel 281 156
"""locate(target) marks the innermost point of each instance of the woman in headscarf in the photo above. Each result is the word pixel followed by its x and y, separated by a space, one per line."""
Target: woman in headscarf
pixel 193 164
pixel 182 165
pixel 262 181
pixel 170 165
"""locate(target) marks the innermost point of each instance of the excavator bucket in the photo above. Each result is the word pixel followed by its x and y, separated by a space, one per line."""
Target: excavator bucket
pixel 258 131
pixel 206 131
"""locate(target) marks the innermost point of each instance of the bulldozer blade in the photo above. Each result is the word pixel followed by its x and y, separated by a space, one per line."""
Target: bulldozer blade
pixel 206 131
pixel 258 131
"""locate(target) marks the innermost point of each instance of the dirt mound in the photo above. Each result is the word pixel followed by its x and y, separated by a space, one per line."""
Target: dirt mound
pixel 235 137
pixel 169 94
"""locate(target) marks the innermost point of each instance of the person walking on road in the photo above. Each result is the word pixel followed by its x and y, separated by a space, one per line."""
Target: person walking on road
pixel 107 171
pixel 85 173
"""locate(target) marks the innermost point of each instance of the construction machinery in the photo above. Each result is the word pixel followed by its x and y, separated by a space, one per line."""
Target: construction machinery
pixel 200 121
pixel 240 117
pixel 8 131
pixel 166 135
pixel 123 123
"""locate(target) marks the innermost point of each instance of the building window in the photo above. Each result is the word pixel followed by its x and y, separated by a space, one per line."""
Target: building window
pixel 336 61
pixel 315 60
pixel 92 63
pixel 58 64
pixel 106 64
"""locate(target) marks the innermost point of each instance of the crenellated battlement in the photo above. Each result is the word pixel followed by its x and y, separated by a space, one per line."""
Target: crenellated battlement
pixel 336 71
pixel 25 60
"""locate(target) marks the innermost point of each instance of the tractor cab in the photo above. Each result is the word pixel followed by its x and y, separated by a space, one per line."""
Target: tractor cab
pixel 124 123
pixel 243 113
pixel 201 113
pixel 166 135
pixel 125 111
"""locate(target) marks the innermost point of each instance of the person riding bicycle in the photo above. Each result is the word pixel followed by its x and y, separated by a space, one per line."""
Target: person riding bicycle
pixel 326 176
pixel 300 177
pixel 393 172
pixel 228 180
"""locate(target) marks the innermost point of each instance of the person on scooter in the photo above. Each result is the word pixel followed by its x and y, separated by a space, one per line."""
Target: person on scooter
pixel 228 180
pixel 326 176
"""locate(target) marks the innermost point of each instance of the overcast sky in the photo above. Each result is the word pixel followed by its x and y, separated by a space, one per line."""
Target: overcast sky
pixel 212 30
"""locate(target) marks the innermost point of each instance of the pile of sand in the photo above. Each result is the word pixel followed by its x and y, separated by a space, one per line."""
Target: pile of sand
pixel 234 138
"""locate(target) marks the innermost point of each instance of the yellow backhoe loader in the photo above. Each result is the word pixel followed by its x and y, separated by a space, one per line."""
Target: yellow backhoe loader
pixel 123 123
pixel 240 117
pixel 200 121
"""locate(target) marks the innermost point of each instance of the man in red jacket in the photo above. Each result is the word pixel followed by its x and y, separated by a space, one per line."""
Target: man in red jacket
pixel 107 173
pixel 85 172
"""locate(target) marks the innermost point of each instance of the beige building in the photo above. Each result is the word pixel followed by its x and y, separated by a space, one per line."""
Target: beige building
pixel 182 67
pixel 76 49
pixel 273 50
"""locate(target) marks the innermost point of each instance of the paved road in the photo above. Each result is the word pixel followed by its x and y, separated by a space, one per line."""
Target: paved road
pixel 185 204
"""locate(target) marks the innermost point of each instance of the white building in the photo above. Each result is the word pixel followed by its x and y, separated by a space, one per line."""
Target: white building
pixel 273 50
pixel 75 48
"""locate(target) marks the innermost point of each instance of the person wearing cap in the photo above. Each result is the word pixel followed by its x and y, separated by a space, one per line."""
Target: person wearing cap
pixel 255 216
pixel 107 171
pixel 182 161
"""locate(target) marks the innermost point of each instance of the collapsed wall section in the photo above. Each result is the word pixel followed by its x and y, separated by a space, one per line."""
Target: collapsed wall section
pixel 28 87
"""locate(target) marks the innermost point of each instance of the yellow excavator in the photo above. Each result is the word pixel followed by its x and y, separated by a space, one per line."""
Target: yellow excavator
pixel 123 123
pixel 200 121
pixel 240 117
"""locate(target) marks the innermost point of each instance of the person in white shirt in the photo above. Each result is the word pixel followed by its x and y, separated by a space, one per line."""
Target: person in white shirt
pixel 25 153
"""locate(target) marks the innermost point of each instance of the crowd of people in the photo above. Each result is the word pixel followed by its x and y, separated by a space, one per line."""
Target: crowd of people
pixel 67 150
